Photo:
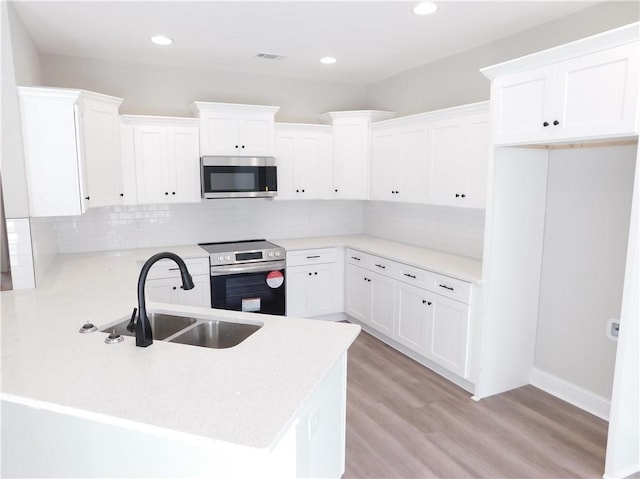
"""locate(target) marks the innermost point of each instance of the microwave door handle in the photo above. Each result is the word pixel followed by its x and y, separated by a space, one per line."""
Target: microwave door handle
pixel 247 268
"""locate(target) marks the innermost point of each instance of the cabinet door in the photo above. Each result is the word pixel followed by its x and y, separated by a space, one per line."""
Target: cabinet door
pixel 358 294
pixel 414 313
pixel 383 297
pixel 152 171
pixel 220 134
pixel 256 135
pixel 321 291
pixel 478 147
pixel 162 290
pixel 100 128
pixel 128 165
pixel 297 284
pixel 183 164
pixel 350 160
pixel 521 105
pixel 311 165
pixel 286 158
pixel 449 161
pixel 448 339
pixel 597 94
pixel 384 164
pixel 414 167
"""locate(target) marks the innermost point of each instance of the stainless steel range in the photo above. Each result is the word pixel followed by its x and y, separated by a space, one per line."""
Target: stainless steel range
pixel 247 276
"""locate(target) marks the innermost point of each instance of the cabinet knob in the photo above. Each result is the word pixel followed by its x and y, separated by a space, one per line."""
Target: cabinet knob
pixel 545 124
pixel 556 122
pixel 309 274
pixel 316 273
pixel 166 193
pixel 175 287
pixel 297 191
pixel 457 195
pixel 87 198
pixel 242 146
pixel 303 191
pixel 463 195
pixel 173 192
pixel 237 146
pixel 121 194
pixel 336 190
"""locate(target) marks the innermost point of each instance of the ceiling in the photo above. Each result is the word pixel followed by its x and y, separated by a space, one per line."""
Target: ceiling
pixel 371 40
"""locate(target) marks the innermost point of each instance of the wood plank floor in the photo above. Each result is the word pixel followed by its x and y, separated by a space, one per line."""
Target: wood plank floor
pixel 405 421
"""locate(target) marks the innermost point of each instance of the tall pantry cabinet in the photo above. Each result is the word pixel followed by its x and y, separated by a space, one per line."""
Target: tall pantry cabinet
pixel 561 233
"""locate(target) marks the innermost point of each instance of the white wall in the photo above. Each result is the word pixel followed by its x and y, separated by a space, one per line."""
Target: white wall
pixel 454 230
pixel 162 90
pixel 20 66
pixel 457 80
pixel 589 193
pixel 212 220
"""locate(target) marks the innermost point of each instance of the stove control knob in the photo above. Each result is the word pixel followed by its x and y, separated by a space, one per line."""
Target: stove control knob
pixel 277 253
pixel 270 254
pixel 227 257
pixel 220 258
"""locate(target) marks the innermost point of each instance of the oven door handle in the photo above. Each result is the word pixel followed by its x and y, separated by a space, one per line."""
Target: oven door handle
pixel 247 268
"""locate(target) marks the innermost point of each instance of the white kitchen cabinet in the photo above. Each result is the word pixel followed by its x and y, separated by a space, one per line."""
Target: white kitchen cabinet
pixel 303 157
pixel 229 129
pixel 428 313
pixel 165 151
pixel 164 283
pixel 351 138
pixel 459 154
pixel 315 282
pixel 72 150
pixel 589 95
pixel 399 161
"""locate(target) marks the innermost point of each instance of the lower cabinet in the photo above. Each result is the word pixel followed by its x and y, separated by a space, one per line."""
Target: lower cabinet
pixel 315 282
pixel 164 284
pixel 414 315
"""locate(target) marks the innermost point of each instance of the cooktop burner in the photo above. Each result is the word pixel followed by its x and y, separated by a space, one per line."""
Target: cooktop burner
pixel 247 251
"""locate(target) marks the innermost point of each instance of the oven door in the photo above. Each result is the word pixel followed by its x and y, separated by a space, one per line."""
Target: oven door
pixel 238 177
pixel 258 287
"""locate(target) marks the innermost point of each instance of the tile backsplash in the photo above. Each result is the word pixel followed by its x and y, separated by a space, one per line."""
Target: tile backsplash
pixel 126 227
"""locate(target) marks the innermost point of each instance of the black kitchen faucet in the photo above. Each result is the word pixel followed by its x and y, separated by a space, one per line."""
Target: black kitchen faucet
pixel 144 335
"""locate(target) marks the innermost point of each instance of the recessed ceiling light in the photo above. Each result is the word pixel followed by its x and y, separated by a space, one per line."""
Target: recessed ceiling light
pixel 327 60
pixel 161 40
pixel 425 8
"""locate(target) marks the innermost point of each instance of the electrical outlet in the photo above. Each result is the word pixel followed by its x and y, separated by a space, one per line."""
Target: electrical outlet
pixel 613 328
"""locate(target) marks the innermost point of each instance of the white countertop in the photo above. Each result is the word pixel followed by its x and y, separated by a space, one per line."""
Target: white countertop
pixel 467 269
pixel 244 395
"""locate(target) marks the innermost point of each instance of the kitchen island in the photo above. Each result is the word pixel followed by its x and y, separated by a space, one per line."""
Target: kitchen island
pixel 272 406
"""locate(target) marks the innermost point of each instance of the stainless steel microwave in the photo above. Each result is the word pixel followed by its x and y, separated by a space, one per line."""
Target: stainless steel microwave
pixel 238 177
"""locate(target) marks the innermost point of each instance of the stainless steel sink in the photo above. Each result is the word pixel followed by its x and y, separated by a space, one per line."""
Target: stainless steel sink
pixel 162 325
pixel 216 334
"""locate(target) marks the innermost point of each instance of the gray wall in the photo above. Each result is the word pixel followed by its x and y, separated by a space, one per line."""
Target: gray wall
pixel 457 80
pixel 588 208
pixel 164 90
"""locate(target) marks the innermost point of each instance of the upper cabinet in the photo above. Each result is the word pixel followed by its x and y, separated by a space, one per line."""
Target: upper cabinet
pixel 585 89
pixel 351 139
pixel 303 156
pixel 165 154
pixel 72 150
pixel 438 157
pixel 228 129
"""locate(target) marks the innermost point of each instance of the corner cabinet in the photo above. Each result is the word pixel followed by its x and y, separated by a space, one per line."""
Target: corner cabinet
pixel 303 156
pixel 72 150
pixel 351 139
pixel 229 129
pixel 165 153
pixel 568 93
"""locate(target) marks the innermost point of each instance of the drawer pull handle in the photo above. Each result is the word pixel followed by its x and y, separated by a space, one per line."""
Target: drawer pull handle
pixel 174 269
pixel 446 287
pixel 428 303
pixel 313 257
pixel 381 266
pixel 412 276
pixel 356 258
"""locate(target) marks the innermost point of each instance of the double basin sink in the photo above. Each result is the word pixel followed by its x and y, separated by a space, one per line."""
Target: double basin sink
pixel 195 332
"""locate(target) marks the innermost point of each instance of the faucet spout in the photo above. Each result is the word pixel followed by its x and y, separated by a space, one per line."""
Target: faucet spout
pixel 144 335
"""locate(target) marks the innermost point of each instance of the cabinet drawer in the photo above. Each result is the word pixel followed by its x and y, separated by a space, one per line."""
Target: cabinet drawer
pixel 383 266
pixel 450 287
pixel 311 256
pixel 415 276
pixel 168 269
pixel 358 258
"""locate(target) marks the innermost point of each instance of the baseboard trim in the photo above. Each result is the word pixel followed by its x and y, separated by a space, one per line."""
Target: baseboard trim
pixel 569 392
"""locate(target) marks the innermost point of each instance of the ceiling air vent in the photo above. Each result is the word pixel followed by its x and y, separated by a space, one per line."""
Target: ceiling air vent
pixel 270 56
